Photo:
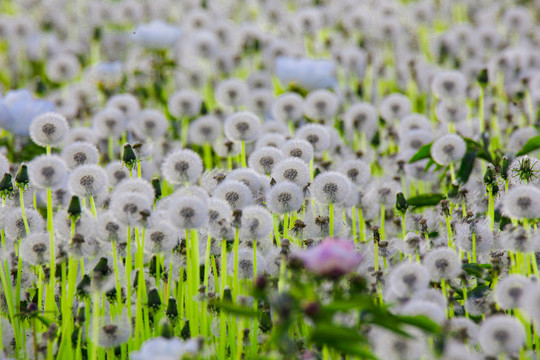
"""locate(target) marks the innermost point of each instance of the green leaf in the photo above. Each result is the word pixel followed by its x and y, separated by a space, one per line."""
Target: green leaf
pixel 423 153
pixel 425 200
pixel 421 322
pixel 531 145
pixel 466 167
pixel 234 309
pixel 473 270
pixel 345 340
pixel 480 150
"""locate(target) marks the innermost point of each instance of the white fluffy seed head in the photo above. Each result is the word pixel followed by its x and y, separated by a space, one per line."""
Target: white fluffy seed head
pixel 501 334
pixel 129 207
pixel 109 122
pixel 80 153
pixel 188 212
pixel 245 264
pixel 449 84
pixel 264 159
pixel 414 122
pixel 62 67
pixel 357 171
pixel 449 111
pixel 150 123
pixel 317 135
pixel 218 210
pixel 448 149
pixel 331 187
pixel 116 172
pixel 242 126
pixel 257 223
pixel 408 278
pixel 248 177
pixel 184 103
pixel 275 140
pixel 182 166
pixel 510 291
pixel 361 118
pixel 260 101
pixel 126 103
pixel 35 249
pixel 463 330
pixel 14 223
pixel 483 237
pixel 288 107
pixel 321 105
pixel 161 237
pixel 298 148
pixel 414 140
pixel 426 308
pixel 284 197
pixel 47 171
pixel 81 134
pixel 49 129
pixel 109 228
pixel 87 180
pixel 395 106
pixel 383 192
pixel 236 193
pixel 522 202
pixel 294 170
pixel 442 263
pixel 232 92
pixel 205 129
pixel 135 185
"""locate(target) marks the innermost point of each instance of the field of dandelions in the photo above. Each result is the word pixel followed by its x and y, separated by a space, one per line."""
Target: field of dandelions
pixel 269 179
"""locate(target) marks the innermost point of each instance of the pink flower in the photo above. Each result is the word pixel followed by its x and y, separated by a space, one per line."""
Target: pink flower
pixel 332 257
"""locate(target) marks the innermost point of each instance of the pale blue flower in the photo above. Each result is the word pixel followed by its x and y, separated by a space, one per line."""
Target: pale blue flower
pixel 309 74
pixel 18 108
pixel 156 35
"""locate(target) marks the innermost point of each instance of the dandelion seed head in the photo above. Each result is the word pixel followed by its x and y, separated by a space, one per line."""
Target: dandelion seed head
pixel 395 106
pixel 331 187
pixel 182 166
pixel 232 92
pixel 448 149
pixel 184 103
pixel 264 159
pixel 87 180
pixel 510 291
pixel 285 197
pixel 293 170
pixel 408 278
pixel 442 263
pixel 47 171
pixel 361 118
pixel 321 105
pixel 35 249
pixel 205 129
pixel 116 173
pixel 288 107
pixel 236 193
pixel 501 334
pixel 257 223
pixel 49 129
pixel 127 104
pixel 522 202
pixel 242 126
pixel 317 135
pixel 298 148
pixel 188 212
pixel 109 122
